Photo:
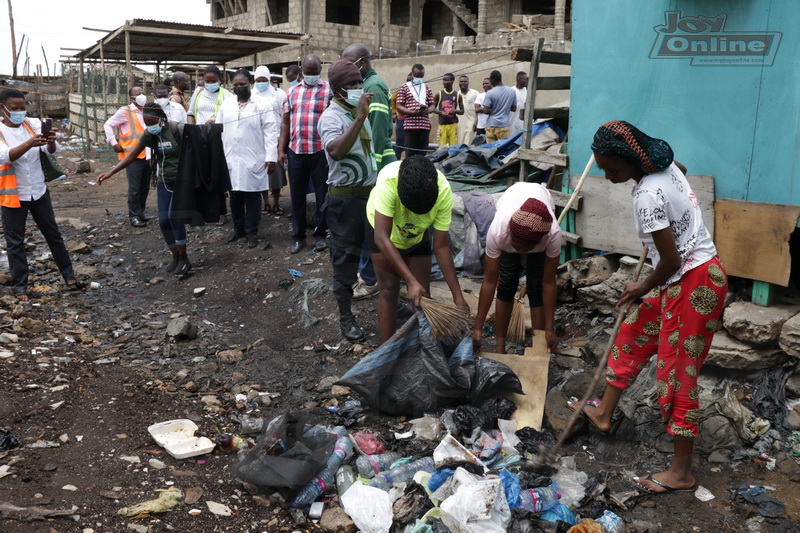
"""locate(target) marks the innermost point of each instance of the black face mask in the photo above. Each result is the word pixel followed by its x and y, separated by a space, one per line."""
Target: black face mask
pixel 242 92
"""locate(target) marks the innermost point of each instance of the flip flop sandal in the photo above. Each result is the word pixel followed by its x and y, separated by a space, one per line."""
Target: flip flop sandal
pixel 222 220
pixel 266 210
pixel 278 210
pixel 75 285
pixel 667 488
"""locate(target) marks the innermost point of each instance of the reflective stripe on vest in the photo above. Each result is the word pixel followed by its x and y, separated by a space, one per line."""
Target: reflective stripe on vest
pixel 128 142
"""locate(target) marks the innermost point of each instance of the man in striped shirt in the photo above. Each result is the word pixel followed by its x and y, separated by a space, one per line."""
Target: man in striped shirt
pixel 300 150
pixel 415 101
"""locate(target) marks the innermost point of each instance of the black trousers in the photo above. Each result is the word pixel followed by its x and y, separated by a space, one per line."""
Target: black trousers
pixel 138 173
pixel 346 217
pixel 246 212
pixel 417 141
pixel 510 269
pixel 301 168
pixel 14 219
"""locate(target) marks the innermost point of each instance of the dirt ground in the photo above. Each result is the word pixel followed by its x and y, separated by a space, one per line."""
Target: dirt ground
pixel 103 354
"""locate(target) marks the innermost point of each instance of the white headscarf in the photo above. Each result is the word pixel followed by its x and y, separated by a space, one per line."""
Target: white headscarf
pixel 263 72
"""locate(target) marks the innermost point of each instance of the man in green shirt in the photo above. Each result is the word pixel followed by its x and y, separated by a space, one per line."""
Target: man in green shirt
pixel 380 120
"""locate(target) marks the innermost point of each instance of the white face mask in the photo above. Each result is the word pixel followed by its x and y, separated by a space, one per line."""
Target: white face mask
pixel 163 102
pixel 140 100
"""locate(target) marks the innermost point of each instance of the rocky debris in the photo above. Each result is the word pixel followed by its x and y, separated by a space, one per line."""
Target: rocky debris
pixel 78 248
pixel 335 520
pixel 727 352
pixel 326 383
pixel 604 296
pixel 557 413
pixel 28 326
pixel 229 357
pixel 591 270
pixel 339 390
pixel 77 165
pixel 754 323
pixel 790 336
pixel 181 328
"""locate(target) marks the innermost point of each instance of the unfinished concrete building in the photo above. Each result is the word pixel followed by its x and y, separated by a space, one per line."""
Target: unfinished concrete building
pixel 394 28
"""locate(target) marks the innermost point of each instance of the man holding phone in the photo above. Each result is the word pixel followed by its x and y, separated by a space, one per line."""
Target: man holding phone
pixel 129 122
pixel 23 190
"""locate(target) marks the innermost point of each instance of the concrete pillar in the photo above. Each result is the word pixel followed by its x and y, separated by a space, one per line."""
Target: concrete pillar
pixel 559 20
pixel 482 14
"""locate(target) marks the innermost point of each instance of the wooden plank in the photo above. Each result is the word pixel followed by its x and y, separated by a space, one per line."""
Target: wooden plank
pixel 556 58
pixel 531 369
pixel 561 199
pixel 530 104
pixel 605 221
pixel 554 83
pixel 571 238
pixel 559 113
pixel 753 239
pixel 540 156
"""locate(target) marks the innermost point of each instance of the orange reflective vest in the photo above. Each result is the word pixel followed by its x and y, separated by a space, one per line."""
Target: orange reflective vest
pixel 135 130
pixel 9 194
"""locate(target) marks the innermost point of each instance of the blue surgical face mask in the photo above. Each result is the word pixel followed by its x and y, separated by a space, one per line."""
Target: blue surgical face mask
pixel 293 83
pixel 311 80
pixel 155 129
pixel 262 86
pixel 353 96
pixel 417 81
pixel 16 117
pixel 212 87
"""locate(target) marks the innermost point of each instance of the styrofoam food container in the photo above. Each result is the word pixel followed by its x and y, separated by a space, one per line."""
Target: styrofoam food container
pixel 190 447
pixel 172 431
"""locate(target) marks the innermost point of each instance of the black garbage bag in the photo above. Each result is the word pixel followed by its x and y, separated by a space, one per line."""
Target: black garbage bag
pixel 8 441
pixel 497 407
pixel 287 456
pixel 411 374
pixel 411 505
pixel 492 378
pixel 468 417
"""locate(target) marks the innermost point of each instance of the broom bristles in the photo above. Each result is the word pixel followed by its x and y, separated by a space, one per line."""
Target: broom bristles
pixel 516 325
pixel 447 321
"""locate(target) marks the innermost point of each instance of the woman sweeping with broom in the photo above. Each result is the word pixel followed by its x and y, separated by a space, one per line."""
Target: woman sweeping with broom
pixel 682 298
pixel 524 231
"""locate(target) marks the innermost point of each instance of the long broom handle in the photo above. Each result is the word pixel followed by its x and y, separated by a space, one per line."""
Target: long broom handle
pixel 601 367
pixel 567 207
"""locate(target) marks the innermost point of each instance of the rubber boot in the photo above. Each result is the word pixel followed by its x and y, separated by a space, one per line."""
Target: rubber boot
pixel 174 263
pixel 184 266
pixel 347 324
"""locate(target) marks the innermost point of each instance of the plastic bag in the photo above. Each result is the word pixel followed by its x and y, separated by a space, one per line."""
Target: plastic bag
pixel 477 507
pixel 559 512
pixel 572 484
pixel 492 378
pixel 411 505
pixel 510 487
pixel 286 457
pixel 370 508
pixel 451 451
pixel 368 444
pixel 426 427
pixel 410 374
pixel 7 440
pixel 612 523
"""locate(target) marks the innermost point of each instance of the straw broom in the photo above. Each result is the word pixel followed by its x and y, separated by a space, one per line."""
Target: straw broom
pixel 447 321
pixel 516 325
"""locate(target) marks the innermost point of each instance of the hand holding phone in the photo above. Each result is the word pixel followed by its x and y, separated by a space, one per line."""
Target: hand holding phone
pixel 47 127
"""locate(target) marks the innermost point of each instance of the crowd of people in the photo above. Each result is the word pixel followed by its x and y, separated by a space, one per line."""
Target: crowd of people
pixel 388 215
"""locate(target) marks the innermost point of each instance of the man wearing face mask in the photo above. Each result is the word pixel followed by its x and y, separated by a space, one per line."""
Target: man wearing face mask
pixel 250 141
pixel 293 76
pixel 129 124
pixel 300 150
pixel 175 112
pixel 23 190
pixel 273 99
pixel 415 101
pixel 347 138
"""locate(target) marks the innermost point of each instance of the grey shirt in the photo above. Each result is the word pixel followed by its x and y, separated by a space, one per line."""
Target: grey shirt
pixel 500 99
pixel 358 167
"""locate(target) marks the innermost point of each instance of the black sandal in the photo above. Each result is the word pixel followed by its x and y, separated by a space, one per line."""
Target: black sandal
pixel 278 210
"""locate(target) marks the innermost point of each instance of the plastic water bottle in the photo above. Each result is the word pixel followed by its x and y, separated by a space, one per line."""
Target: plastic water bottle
pixel 324 479
pixel 401 473
pixel 541 499
pixel 369 465
pixel 345 477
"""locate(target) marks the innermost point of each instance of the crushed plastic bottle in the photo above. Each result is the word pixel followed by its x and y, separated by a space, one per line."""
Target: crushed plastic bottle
pixel 370 465
pixel 326 478
pixel 541 499
pixel 401 473
pixel 251 425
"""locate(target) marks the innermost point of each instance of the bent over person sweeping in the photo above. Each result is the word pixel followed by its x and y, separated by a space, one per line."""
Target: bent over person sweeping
pixel 682 299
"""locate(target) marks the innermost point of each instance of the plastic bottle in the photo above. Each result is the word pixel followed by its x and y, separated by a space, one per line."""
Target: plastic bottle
pixel 401 473
pixel 370 465
pixel 345 477
pixel 325 478
pixel 538 500
pixel 251 425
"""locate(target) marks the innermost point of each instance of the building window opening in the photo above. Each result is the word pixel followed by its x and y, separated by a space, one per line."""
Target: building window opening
pixel 228 8
pixel 280 11
pixel 400 12
pixel 343 12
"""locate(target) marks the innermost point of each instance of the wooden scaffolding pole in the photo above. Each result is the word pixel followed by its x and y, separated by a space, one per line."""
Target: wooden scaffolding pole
pixel 13 41
pixel 128 65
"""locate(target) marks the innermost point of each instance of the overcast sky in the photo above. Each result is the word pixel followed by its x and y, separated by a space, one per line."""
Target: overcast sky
pixel 57 24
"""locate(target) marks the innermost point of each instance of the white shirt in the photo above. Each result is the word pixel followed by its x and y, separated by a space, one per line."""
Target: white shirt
pixel 498 238
pixel 482 117
pixel 272 99
pixel 250 139
pixel 28 168
pixel 516 122
pixel 175 113
pixel 206 104
pixel 666 200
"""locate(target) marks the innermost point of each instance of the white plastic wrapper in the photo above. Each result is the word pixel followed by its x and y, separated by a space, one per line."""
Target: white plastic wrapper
pixel 369 507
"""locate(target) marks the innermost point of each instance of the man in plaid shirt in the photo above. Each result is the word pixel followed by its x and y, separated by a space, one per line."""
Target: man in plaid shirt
pixel 301 147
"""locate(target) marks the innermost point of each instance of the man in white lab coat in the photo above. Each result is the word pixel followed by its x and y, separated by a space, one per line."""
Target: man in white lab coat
pixel 249 137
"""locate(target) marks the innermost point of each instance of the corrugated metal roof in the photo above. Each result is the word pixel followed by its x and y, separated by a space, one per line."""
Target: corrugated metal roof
pixel 154 40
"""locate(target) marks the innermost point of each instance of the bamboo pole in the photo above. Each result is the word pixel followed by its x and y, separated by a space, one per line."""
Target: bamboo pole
pixel 13 41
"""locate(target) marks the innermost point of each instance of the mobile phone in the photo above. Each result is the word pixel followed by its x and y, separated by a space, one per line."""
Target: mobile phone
pixel 47 127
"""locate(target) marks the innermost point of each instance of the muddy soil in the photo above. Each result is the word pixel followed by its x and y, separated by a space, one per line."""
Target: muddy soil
pixel 100 372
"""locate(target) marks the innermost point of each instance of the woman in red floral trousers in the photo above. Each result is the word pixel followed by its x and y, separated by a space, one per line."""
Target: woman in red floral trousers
pixel 682 299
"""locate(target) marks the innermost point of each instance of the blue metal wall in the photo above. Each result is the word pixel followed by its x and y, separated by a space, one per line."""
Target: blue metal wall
pixel 738 123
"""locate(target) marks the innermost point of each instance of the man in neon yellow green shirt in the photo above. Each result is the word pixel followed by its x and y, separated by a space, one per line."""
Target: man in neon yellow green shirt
pixel 411 200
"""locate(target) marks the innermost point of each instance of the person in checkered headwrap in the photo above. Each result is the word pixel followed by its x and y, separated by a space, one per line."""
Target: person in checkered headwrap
pixel 524 232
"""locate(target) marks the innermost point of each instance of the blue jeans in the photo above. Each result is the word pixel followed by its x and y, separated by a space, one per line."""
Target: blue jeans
pixel 173 232
pixel 365 266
